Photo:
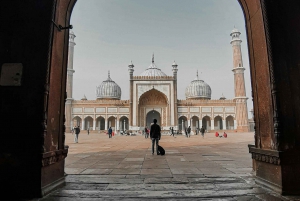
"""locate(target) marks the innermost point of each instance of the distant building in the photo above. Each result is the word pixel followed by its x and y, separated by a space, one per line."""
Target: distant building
pixel 153 94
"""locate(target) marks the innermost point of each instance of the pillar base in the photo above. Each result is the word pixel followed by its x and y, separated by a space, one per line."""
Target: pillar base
pixel 277 170
pixel 242 129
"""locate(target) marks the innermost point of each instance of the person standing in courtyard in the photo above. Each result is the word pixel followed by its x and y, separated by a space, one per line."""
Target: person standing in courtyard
pixel 109 132
pixel 172 131
pixel 146 132
pixel 189 131
pixel 88 130
pixel 185 130
pixel 202 131
pixel 77 131
pixel 155 135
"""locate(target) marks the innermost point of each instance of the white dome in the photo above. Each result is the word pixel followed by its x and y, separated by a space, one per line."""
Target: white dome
pixel 108 89
pixel 198 89
pixel 152 70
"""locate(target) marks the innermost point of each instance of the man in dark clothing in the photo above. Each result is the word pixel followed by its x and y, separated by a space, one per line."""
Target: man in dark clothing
pixel 186 134
pixel 155 135
pixel 202 131
pixel 77 131
pixel 172 131
pixel 109 132
pixel 189 131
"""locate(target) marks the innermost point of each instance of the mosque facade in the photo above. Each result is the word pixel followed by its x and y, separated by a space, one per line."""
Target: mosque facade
pixel 153 94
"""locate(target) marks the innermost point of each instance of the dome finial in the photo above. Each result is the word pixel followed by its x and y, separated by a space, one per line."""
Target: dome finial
pixel 108 74
pixel 153 57
pixel 197 75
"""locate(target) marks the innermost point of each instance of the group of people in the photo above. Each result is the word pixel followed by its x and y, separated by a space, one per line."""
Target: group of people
pixel 188 131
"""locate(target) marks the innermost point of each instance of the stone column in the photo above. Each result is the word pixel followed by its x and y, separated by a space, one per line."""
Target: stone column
pixel 212 124
pixel 83 124
pixel 106 124
pixel 200 124
pixel 234 124
pixel 118 125
pixel 182 126
pixel 124 125
pixel 94 125
pixel 224 124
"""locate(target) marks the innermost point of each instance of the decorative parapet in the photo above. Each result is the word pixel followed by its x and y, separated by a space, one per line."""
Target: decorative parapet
pixel 54 156
pixel 267 156
pixel 104 102
pixel 275 157
pixel 153 78
pixel 202 102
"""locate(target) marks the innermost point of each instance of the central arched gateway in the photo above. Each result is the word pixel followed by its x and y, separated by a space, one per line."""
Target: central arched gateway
pixel 152 115
pixel 153 104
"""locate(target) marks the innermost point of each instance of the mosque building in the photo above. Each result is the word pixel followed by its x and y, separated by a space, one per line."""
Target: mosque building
pixel 153 94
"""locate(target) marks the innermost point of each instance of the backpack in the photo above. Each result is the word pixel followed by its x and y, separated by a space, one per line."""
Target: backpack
pixel 161 150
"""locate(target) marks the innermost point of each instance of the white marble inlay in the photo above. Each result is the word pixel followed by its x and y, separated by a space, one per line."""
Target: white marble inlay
pixel 112 110
pixel 229 109
pixel 123 109
pixel 77 109
pixel 194 109
pixel 100 109
pixel 206 109
pixel 88 109
pixel 218 109
pixel 182 109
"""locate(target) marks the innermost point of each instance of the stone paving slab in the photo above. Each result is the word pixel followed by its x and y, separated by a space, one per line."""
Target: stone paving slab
pixel 123 168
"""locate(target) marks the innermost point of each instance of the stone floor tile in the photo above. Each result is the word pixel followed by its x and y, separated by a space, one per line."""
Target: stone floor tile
pixel 126 171
pixel 97 171
pixel 152 171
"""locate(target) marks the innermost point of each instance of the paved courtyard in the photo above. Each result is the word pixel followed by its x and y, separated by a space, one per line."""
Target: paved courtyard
pixel 123 168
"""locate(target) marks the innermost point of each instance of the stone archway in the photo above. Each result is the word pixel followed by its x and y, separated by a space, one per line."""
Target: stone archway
pixel 229 123
pixel 182 123
pixel 218 123
pixel 156 102
pixel 152 115
pixel 206 123
pixel 273 61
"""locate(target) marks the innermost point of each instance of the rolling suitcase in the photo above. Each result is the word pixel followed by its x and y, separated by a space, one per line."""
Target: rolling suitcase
pixel 161 150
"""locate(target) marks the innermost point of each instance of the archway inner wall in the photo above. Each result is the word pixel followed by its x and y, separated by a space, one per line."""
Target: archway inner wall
pixel 28 36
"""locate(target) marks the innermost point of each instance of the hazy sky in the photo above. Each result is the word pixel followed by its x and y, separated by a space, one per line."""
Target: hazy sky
pixel 194 33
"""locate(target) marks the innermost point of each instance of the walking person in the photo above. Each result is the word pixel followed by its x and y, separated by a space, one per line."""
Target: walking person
pixel 189 131
pixel 146 132
pixel 109 132
pixel 155 135
pixel 172 131
pixel 202 131
pixel 77 131
pixel 88 130
pixel 185 130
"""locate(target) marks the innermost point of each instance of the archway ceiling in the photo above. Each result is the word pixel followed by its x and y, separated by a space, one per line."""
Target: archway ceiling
pixel 153 97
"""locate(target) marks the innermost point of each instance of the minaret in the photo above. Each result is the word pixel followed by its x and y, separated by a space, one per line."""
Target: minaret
pixel 239 83
pixel 70 72
pixel 130 70
pixel 175 69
